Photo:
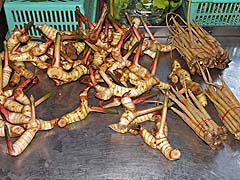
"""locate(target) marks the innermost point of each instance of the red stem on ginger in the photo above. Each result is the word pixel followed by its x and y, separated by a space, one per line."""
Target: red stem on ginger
pixel 122 39
pixel 79 19
pixel 142 99
pixel 93 46
pixel 4 112
pixel 155 63
pixel 147 29
pixel 26 83
pixel 135 30
pixel 27 27
pixel 106 27
pixel 94 82
pixel 103 110
pixel 115 25
pixel 93 36
pixel 85 19
pixel 86 57
pixel 137 55
pixel 8 140
pixel 6 57
pixel 130 52
pixel 105 77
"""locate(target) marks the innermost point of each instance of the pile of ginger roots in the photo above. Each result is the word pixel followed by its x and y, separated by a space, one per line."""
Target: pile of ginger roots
pixel 104 56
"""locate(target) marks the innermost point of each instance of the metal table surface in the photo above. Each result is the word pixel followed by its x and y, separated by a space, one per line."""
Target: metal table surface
pixel 90 150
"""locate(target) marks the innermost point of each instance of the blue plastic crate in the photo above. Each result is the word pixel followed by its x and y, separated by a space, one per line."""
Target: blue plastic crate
pixel 214 12
pixel 59 14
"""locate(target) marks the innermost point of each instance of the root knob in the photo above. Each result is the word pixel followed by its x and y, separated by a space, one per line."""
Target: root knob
pixel 62 123
pixel 175 154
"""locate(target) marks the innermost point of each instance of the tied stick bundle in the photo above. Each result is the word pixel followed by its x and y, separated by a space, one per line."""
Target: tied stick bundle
pixel 195 44
pixel 226 103
pixel 195 115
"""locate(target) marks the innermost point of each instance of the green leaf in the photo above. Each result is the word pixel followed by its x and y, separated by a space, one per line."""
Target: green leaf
pixel 174 5
pixel 124 4
pixel 118 6
pixel 139 6
pixel 161 4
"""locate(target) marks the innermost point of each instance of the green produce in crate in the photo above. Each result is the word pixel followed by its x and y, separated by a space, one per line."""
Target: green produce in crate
pixel 154 10
pixel 119 5
pixel 161 4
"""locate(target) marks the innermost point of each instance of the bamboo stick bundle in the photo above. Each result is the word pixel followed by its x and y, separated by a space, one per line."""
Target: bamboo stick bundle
pixel 196 45
pixel 225 102
pixel 195 115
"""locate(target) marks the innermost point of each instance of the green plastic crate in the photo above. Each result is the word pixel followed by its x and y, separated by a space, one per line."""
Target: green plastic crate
pixel 59 14
pixel 214 12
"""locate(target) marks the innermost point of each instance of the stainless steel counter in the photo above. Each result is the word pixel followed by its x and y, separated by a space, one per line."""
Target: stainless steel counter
pixel 90 150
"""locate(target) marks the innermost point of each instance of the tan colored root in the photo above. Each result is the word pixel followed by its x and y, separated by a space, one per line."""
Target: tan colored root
pixel 195 115
pixel 196 45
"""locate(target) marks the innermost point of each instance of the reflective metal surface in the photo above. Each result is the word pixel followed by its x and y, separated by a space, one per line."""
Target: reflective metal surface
pixel 90 150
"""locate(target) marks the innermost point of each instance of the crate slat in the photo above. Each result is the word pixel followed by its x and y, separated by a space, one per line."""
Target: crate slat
pixel 214 12
pixel 56 13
